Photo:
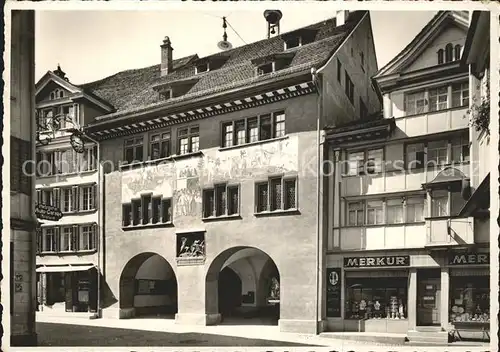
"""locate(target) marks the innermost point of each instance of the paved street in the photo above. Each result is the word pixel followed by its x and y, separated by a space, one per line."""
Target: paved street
pixel 52 334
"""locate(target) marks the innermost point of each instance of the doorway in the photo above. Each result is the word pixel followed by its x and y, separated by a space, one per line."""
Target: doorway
pixel 428 297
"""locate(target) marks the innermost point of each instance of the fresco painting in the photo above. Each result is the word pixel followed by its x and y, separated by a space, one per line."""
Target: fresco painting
pixel 158 180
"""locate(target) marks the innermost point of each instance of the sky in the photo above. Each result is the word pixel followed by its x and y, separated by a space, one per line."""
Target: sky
pixel 91 45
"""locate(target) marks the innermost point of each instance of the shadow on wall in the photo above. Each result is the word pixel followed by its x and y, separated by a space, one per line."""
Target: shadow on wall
pixel 107 296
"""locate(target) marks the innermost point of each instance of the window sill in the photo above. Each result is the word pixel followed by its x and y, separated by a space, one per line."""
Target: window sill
pixel 168 159
pixel 77 173
pixel 277 213
pixel 147 226
pixel 66 253
pixel 253 143
pixel 383 225
pixel 222 218
pixel 434 112
pixel 374 174
pixel 78 212
pixel 446 217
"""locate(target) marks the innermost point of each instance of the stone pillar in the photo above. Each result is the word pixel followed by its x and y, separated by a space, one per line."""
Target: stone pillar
pixel 193 307
pixel 412 299
pixel 23 298
pixel 445 297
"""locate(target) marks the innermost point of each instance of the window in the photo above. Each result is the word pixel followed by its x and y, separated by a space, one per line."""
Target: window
pixel 276 194
pixel 88 197
pixel 460 149
pixel 87 161
pixel 438 98
pixel 339 71
pixel 68 200
pixel 459 95
pixel 166 95
pixel 69 239
pixel 439 203
pixel 458 52
pixel 253 129
pixel 87 237
pixel 469 299
pixel 415 103
pixel 49 240
pixel 415 156
pixel 394 208
pixel 374 212
pixel 222 200
pixel 364 162
pixel 437 153
pixel 202 68
pixel 147 210
pixel 134 150
pixel 188 140
pixel 355 214
pixel 449 53
pixel 265 69
pixel 440 54
pixel 159 145
pixel 415 209
pixel 363 110
pixel 349 88
pixel 292 43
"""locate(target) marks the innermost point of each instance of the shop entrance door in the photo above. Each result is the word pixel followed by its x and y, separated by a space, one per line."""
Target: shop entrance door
pixel 428 298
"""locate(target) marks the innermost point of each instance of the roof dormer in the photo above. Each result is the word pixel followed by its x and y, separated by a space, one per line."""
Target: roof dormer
pixel 211 63
pixel 272 63
pixel 299 38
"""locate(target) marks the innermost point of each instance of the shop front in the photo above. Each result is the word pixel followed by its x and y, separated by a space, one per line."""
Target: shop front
pixel 67 288
pixel 415 291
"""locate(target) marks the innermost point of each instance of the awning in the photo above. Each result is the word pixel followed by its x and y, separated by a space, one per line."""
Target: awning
pixel 480 199
pixel 63 268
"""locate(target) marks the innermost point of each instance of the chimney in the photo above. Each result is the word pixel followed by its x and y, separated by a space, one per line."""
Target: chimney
pixel 341 17
pixel 166 57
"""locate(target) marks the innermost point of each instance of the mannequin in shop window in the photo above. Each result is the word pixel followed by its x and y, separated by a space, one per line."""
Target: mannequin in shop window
pixel 376 307
pixel 362 309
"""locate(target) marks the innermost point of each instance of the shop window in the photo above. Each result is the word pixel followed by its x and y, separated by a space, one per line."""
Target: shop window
pixel 355 214
pixel 222 200
pixel 374 212
pixel 188 140
pixel 394 209
pixel 276 194
pixel 415 209
pixel 376 298
pixel 460 94
pixel 134 150
pixel 159 145
pixel 469 299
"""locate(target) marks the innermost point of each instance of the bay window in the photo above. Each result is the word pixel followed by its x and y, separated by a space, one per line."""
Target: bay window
pixel 439 203
pixel 415 209
pixel 365 162
pixel 437 153
pixel 459 95
pixel 374 212
pixel 415 103
pixel 437 98
pixel 460 149
pixel 415 155
pixel 355 211
pixel 394 208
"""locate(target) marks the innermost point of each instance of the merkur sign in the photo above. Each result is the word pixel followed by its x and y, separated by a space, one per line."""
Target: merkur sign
pixel 374 262
pixel 469 258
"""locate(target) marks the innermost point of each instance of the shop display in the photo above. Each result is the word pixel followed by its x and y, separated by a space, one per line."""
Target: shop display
pixel 469 304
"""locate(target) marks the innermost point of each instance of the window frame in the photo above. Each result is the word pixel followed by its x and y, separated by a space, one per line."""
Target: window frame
pixel 211 192
pixel 283 179
pixel 137 142
pixel 190 136
pixel 424 95
pixel 261 71
pixel 161 141
pixel 362 164
pixel 135 214
pixel 228 128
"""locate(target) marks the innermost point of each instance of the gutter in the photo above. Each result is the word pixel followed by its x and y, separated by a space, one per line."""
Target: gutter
pixel 317 75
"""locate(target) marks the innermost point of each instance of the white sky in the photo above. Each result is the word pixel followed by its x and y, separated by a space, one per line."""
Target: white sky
pixel 90 45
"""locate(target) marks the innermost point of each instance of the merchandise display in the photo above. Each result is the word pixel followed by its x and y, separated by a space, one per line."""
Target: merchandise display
pixel 469 304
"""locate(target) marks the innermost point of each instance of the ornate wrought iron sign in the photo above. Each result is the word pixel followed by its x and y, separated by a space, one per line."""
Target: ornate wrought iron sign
pixel 48 126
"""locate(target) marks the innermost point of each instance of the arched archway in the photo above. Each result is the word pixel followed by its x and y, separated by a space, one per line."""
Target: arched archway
pixel 242 287
pixel 148 287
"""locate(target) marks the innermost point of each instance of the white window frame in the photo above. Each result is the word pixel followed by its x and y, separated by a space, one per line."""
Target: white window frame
pixel 375 209
pixel 438 199
pixel 435 148
pixel 460 92
pixel 63 234
pixel 412 99
pixel 362 161
pixel 90 201
pixel 87 237
pixel 394 203
pixel 69 208
pixel 358 209
pixel 437 97
pixel 48 232
pixel 411 204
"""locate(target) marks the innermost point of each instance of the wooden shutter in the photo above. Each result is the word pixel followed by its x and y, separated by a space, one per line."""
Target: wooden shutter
pixel 95 237
pixel 39 196
pixel 74 198
pixel 57 238
pixel 74 238
pixel 94 194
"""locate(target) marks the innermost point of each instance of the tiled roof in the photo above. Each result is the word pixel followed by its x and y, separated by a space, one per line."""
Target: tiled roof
pixel 132 90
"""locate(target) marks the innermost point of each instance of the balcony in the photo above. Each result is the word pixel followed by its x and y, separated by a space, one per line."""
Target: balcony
pixel 377 237
pixel 449 231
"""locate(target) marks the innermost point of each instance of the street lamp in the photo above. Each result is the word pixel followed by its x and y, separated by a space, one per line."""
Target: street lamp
pixel 46 130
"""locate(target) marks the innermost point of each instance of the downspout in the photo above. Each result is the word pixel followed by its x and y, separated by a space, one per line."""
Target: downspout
pixel 317 79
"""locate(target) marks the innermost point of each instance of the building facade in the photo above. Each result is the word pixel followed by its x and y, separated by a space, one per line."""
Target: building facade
pixel 67 179
pixel 211 182
pixel 403 255
pixel 22 148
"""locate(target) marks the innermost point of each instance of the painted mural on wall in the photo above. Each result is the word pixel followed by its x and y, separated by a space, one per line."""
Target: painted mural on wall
pixel 184 179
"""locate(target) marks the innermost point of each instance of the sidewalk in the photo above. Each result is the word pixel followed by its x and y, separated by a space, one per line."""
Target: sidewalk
pixel 343 341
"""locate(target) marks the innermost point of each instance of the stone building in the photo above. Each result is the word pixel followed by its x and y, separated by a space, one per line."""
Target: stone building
pixel 22 186
pixel 408 255
pixel 212 201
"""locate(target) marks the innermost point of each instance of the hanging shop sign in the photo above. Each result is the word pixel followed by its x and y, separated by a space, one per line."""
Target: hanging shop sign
pixel 48 212
pixel 376 262
pixel 333 293
pixel 469 258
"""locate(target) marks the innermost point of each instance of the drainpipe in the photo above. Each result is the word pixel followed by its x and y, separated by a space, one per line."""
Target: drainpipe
pixel 316 76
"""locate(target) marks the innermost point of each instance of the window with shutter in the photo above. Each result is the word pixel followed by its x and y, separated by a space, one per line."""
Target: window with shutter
pixel 94 237
pixel 93 200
